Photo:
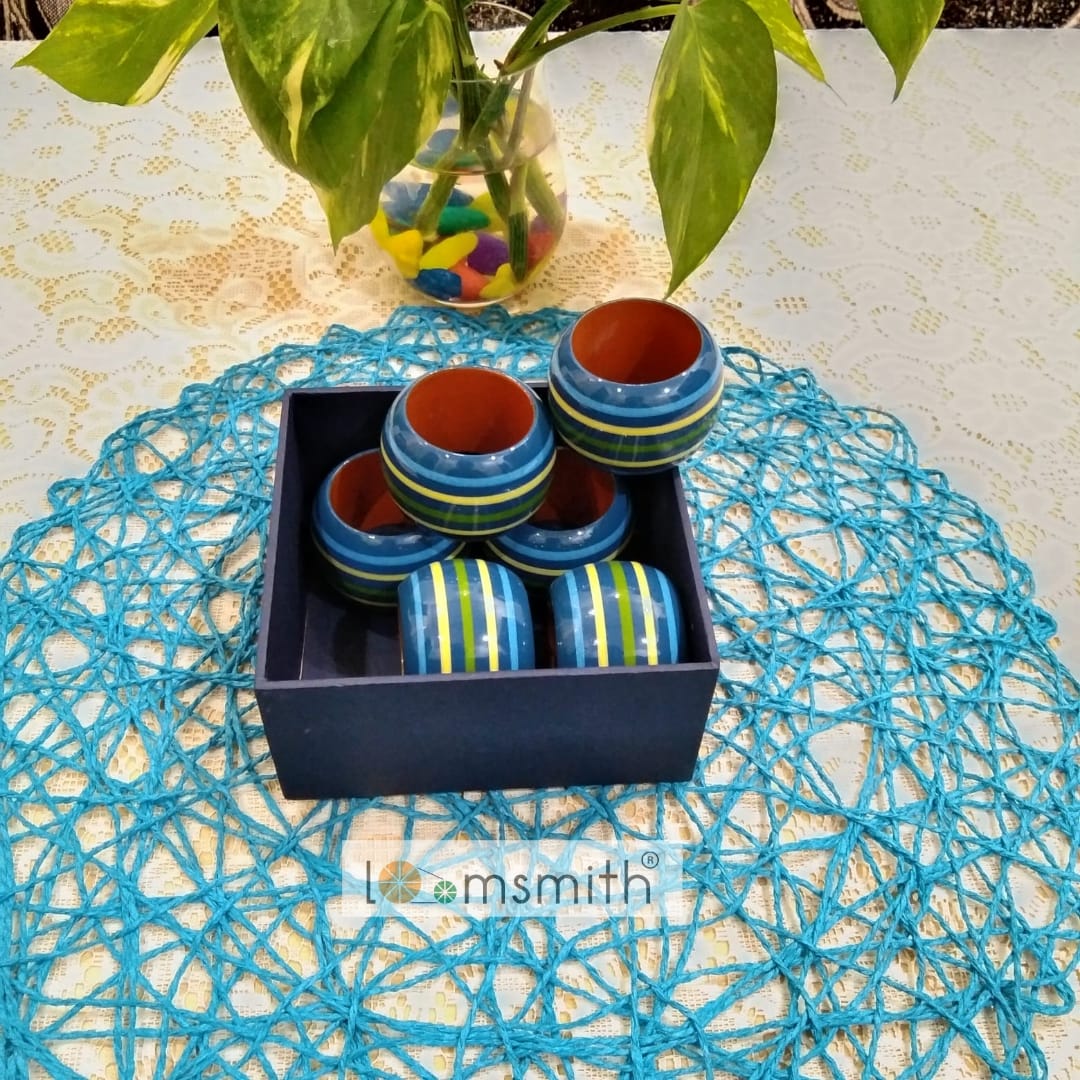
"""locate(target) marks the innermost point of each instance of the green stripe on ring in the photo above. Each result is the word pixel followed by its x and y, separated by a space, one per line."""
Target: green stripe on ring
pixel 626 614
pixel 424 512
pixel 382 597
pixel 578 433
pixel 370 578
pixel 465 599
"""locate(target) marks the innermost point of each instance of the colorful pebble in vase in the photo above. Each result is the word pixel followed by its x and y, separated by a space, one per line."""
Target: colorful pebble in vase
pixel 455 246
pixel 465 261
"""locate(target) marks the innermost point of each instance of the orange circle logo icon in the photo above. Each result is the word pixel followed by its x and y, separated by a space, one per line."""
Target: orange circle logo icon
pixel 399 882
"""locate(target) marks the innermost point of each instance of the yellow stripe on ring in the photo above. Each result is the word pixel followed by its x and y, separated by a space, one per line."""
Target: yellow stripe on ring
pixel 442 617
pixel 637 432
pixel 470 500
pixel 488 594
pixel 648 613
pixel 472 534
pixel 362 575
pixel 598 614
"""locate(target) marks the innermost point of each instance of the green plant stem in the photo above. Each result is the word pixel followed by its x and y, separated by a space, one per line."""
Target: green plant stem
pixel 427 217
pixel 542 197
pixel 492 111
pixel 537 189
pixel 522 110
pixel 517 224
pixel 537 27
pixel 467 69
pixel 527 59
pixel 482 129
pixel 465 75
pixel 498 189
pixel 476 123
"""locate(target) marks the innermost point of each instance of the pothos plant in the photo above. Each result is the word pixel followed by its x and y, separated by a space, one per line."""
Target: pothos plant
pixel 344 92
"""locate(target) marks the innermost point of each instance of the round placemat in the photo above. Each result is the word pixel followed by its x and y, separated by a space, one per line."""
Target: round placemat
pixel 883 820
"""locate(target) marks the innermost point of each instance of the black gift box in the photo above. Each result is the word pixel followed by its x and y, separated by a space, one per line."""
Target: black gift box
pixel 342 720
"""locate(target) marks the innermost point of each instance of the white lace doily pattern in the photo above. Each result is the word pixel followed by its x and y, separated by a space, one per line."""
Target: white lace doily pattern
pixel 922 257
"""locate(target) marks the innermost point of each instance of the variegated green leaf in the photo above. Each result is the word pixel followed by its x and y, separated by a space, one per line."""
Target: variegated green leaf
pixel 711 120
pixel 121 51
pixel 328 147
pixel 264 103
pixel 901 27
pixel 407 111
pixel 259 102
pixel 303 49
pixel 787 33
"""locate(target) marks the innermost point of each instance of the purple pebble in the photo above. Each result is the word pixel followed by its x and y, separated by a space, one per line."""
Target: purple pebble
pixel 489 254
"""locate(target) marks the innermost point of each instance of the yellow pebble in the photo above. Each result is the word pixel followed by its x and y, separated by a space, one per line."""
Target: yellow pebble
pixel 404 247
pixel 486 205
pixel 379 227
pixel 448 252
pixel 502 284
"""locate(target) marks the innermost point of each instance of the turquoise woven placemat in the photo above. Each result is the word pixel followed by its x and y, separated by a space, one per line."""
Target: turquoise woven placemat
pixel 884 810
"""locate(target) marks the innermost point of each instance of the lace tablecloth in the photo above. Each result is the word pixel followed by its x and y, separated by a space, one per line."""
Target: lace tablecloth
pixel 922 257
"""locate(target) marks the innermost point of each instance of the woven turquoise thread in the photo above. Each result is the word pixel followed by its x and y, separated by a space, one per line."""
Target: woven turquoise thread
pixel 867 921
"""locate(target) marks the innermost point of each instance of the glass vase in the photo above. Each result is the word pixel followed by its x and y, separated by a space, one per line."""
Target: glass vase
pixel 477 214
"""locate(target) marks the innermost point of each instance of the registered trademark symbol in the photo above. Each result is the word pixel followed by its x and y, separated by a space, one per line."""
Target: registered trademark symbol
pixel 650 860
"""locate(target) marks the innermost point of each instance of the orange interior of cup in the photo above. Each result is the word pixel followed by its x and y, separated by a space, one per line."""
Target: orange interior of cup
pixel 579 494
pixel 470 410
pixel 359 496
pixel 636 341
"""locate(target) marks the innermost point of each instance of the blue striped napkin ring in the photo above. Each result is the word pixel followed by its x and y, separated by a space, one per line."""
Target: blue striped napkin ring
pixel 616 614
pixel 585 517
pixel 468 451
pixel 366 543
pixel 635 385
pixel 464 615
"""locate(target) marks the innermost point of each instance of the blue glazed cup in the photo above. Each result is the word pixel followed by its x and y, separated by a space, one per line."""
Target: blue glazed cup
pixel 616 614
pixel 468 451
pixel 367 545
pixel 464 615
pixel 635 385
pixel 585 517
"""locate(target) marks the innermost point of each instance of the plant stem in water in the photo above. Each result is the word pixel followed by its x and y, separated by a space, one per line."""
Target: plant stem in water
pixel 521 113
pixel 466 74
pixel 542 197
pixel 492 112
pixel 537 189
pixel 517 224
pixel 484 131
pixel 442 187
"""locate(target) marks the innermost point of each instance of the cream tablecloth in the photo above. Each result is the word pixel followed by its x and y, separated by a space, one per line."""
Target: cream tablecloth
pixel 922 257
